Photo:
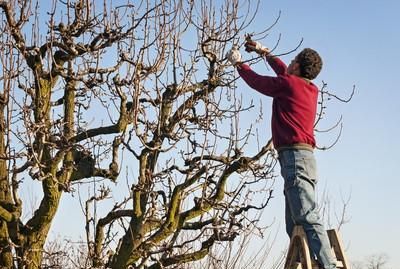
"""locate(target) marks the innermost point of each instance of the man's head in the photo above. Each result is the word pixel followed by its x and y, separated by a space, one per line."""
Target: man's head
pixel 307 64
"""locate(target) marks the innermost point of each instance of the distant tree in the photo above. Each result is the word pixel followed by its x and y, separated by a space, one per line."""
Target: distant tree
pixel 375 261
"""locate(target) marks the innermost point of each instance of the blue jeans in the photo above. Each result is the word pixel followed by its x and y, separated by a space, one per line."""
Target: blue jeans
pixel 298 168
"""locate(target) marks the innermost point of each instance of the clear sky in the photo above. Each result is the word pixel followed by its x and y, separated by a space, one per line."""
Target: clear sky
pixel 359 42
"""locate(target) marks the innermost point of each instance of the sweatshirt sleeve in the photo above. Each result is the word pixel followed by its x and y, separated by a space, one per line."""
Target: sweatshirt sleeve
pixel 270 86
pixel 277 65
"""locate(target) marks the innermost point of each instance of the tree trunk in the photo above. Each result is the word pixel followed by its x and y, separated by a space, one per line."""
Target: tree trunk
pixel 6 258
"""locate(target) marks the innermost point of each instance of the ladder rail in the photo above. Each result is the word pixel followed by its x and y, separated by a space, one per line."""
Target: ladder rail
pixel 299 257
pixel 337 247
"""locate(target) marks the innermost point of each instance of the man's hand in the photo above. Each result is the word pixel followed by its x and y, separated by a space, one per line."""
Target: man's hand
pixel 234 56
pixel 256 46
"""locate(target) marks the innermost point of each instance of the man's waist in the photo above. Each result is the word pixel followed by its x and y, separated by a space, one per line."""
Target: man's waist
pixel 295 146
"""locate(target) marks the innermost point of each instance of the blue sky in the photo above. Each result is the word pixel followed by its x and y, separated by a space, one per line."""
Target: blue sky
pixel 359 42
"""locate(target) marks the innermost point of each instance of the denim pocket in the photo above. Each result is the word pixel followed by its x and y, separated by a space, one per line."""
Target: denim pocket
pixel 289 169
pixel 310 168
pixel 298 165
pixel 288 165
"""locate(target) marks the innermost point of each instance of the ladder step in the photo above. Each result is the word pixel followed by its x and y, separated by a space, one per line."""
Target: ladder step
pixel 339 264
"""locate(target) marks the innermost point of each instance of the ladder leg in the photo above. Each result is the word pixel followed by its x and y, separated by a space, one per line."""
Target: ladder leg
pixel 305 256
pixel 337 247
pixel 293 253
pixel 298 251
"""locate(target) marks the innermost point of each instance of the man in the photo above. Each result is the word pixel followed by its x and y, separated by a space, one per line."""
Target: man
pixel 293 115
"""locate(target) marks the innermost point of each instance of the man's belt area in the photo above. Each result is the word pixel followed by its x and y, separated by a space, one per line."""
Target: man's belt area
pixel 298 146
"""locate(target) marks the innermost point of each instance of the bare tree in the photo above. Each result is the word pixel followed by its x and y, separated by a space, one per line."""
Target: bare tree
pixel 374 261
pixel 377 261
pixel 86 82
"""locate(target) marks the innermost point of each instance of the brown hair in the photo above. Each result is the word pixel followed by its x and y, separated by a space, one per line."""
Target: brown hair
pixel 310 63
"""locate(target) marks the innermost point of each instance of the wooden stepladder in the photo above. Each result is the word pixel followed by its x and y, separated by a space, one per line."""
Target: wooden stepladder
pixel 299 257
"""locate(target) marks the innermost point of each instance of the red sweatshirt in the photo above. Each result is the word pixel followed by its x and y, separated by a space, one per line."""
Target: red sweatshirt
pixel 294 103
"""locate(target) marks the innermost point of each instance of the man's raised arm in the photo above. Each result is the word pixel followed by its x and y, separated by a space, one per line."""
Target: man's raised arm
pixel 276 64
